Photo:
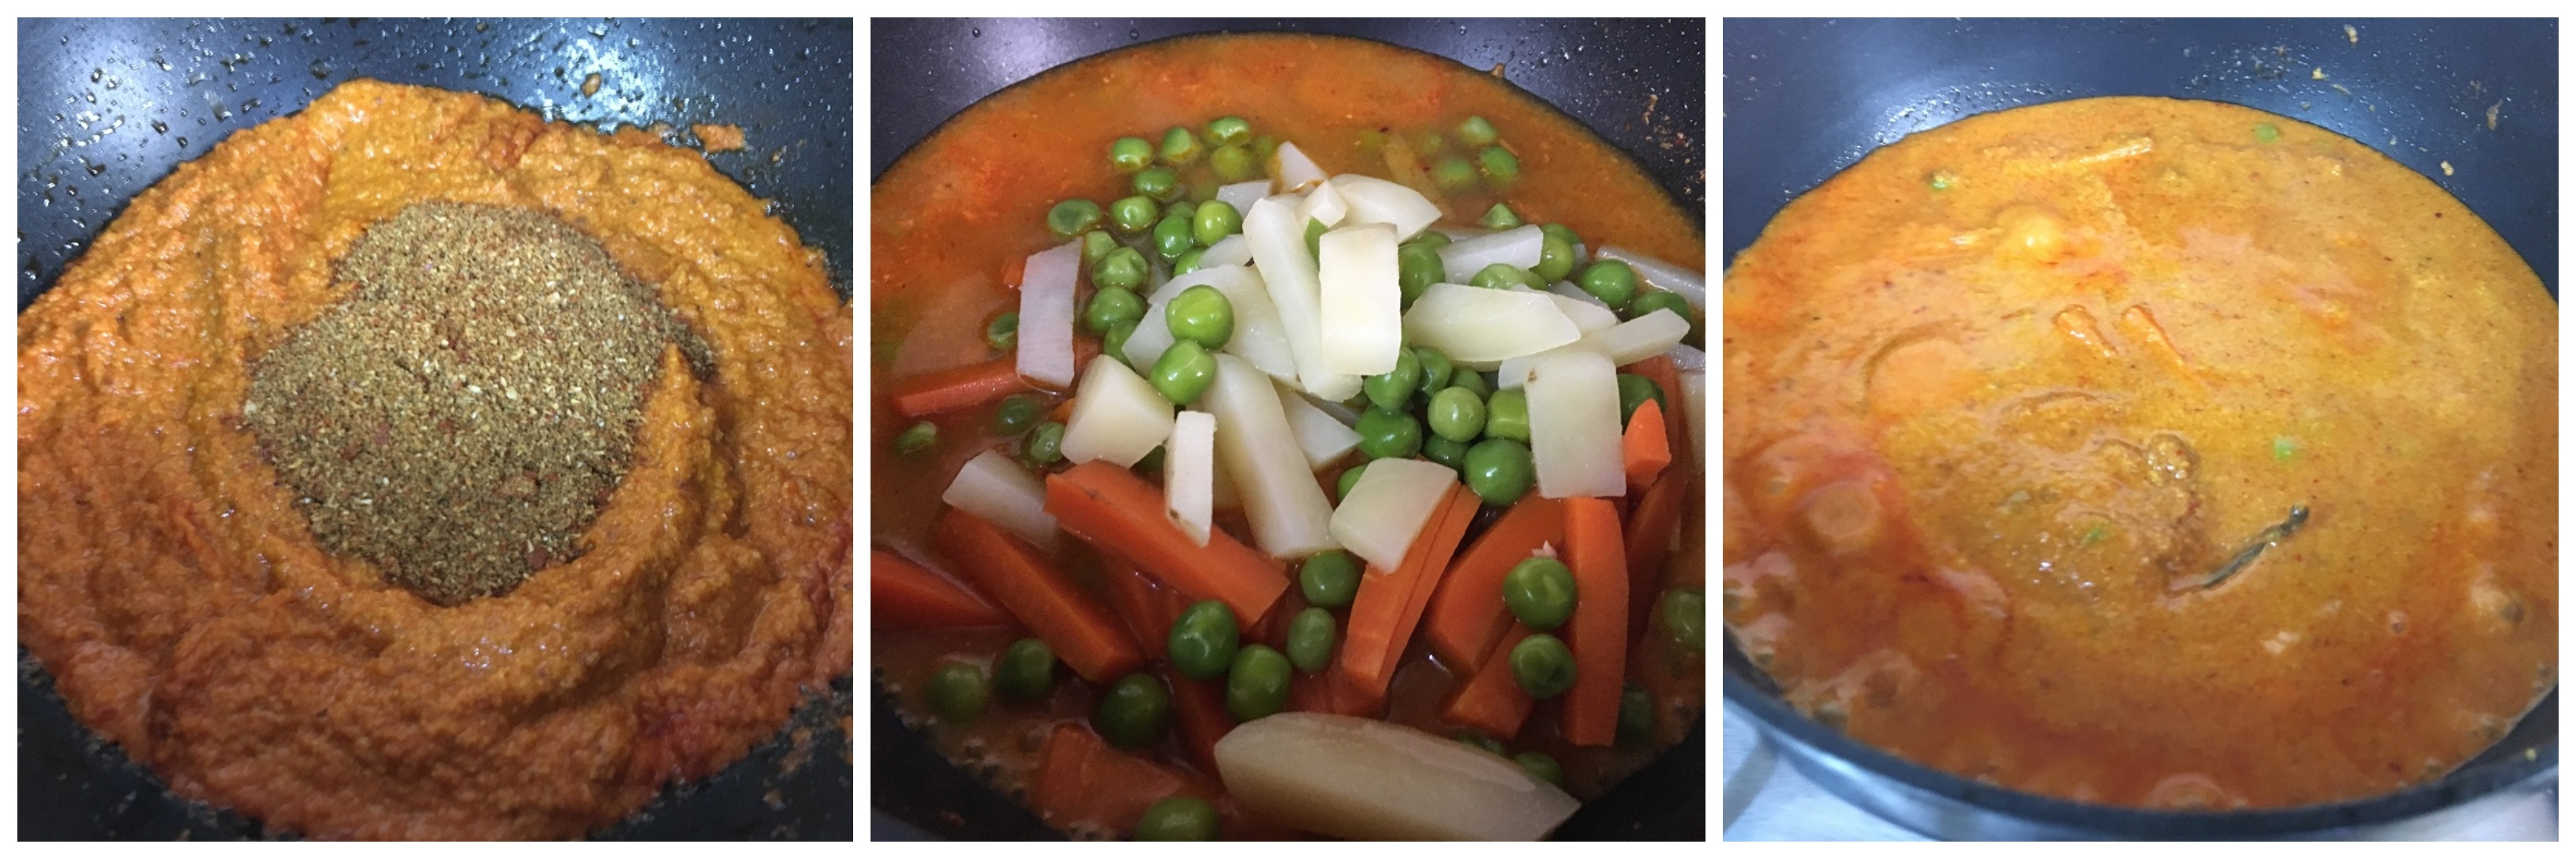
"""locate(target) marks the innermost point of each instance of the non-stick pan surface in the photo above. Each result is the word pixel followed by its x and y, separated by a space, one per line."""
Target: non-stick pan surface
pixel 1637 84
pixel 108 107
pixel 1805 99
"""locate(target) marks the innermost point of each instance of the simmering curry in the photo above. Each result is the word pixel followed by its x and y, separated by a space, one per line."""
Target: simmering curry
pixel 2146 452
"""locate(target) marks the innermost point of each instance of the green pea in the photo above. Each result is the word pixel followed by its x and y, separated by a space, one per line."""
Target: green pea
pixel 1446 452
pixel 1026 671
pixel 958 692
pixel 1184 372
pixel 1111 307
pixel 1257 684
pixel 1478 740
pixel 1350 477
pixel 1386 434
pixel 1003 332
pixel 1114 343
pixel 1392 389
pixel 1652 300
pixel 1072 217
pixel 1314 238
pixel 1561 233
pixel 1555 259
pixel 1500 471
pixel 1097 244
pixel 1471 380
pixel 1507 415
pixel 1264 148
pixel 1636 714
pixel 1611 281
pixel 1215 221
pixel 1016 414
pixel 1045 444
pixel 1233 164
pixel 1499 164
pixel 1477 132
pixel 1634 391
pixel 1179 818
pixel 1541 767
pixel 1502 275
pixel 1189 262
pixel 1453 174
pixel 1428 142
pixel 1229 130
pixel 1130 154
pixel 1501 217
pixel 1417 267
pixel 916 438
pixel 1203 640
pixel 1543 666
pixel 1311 634
pixel 1134 712
pixel 1159 183
pixel 1183 209
pixel 1132 215
pixel 1436 369
pixel 1457 414
pixel 1329 578
pixel 1685 617
pixel 1540 592
pixel 1123 268
pixel 1180 147
pixel 1433 239
pixel 1201 314
pixel 1172 236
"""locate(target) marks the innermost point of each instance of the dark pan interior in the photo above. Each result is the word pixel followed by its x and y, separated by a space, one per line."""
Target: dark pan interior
pixel 1605 74
pixel 1805 99
pixel 108 107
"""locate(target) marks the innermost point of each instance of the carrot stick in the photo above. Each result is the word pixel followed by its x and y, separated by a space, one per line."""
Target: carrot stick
pixel 1645 450
pixel 1467 613
pixel 1082 633
pixel 958 387
pixel 1198 709
pixel 1650 540
pixel 1492 701
pixel 1661 371
pixel 1081 780
pixel 1598 632
pixel 906 595
pixel 1148 610
pixel 1390 602
pixel 1116 511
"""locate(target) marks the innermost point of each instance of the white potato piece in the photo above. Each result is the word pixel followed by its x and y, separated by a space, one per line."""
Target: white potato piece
pixel 1663 275
pixel 1695 406
pixel 1117 416
pixel 1574 424
pixel 1377 201
pixel 1258 337
pixel 1640 338
pixel 1290 516
pixel 1483 326
pixel 1386 509
pixel 1325 205
pixel 1324 438
pixel 1295 171
pixel 1045 351
pixel 1685 358
pixel 1189 474
pixel 1362 308
pixel 1365 779
pixel 1241 195
pixel 1463 258
pixel 999 491
pixel 1231 250
pixel 1568 289
pixel 1590 317
pixel 1279 253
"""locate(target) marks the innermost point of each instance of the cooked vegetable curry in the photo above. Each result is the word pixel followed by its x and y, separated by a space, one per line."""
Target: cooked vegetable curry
pixel 955 220
pixel 171 581
pixel 2146 452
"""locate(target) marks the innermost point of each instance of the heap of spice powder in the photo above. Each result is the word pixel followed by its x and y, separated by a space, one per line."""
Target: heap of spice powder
pixel 460 418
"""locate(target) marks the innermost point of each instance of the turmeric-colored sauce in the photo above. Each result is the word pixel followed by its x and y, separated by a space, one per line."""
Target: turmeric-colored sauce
pixel 2144 452
pixel 170 583
pixel 953 219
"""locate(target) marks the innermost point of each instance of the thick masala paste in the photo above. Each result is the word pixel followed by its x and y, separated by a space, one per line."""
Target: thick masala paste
pixel 177 592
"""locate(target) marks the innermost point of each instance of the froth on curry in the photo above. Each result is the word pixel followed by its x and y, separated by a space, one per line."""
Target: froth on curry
pixel 2144 452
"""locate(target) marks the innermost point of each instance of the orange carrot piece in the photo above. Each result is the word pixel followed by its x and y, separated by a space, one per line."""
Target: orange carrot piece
pixel 1492 701
pixel 1082 633
pixel 1149 610
pixel 1080 779
pixel 1598 632
pixel 1435 569
pixel 1661 371
pixel 1116 511
pixel 958 387
pixel 1198 709
pixel 1645 450
pixel 1650 539
pixel 1467 613
pixel 1390 602
pixel 906 595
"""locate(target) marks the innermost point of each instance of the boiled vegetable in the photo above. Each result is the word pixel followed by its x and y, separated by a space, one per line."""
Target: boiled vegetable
pixel 1323 205
pixel 1323 438
pixel 999 491
pixel 957 387
pixel 1662 275
pixel 1294 170
pixel 1119 513
pixel 1640 338
pixel 906 595
pixel 1287 507
pixel 1467 614
pixel 1361 309
pixel 1189 475
pixel 1380 517
pixel 1365 779
pixel 1241 195
pixel 1046 314
pixel 1279 248
pixel 1391 601
pixel 1045 600
pixel 1518 246
pixel 1480 328
pixel 1574 424
pixel 1377 201
pixel 1117 416
pixel 1598 633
